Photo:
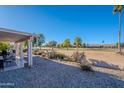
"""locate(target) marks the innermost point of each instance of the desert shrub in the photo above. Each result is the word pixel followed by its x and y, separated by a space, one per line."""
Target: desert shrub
pixel 62 57
pixel 84 63
pixel 86 66
pixel 81 58
pixel 50 54
pixel 66 58
pixel 35 53
pixel 42 53
pixel 59 56
pixel 74 56
pixel 54 55
pixel 77 57
pixel 39 52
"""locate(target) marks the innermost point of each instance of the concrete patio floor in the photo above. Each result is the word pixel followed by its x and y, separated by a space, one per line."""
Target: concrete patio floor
pixel 13 65
pixel 49 74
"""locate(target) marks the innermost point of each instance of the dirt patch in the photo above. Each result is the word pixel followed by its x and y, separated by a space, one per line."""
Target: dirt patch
pixel 110 58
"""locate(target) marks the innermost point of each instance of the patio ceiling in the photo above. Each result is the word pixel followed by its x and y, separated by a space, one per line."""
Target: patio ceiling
pixel 13 35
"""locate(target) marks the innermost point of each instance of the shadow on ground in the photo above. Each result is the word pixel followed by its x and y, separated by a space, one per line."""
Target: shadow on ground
pixel 104 64
pixel 49 74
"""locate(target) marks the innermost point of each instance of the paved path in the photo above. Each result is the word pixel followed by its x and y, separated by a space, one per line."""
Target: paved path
pixel 47 73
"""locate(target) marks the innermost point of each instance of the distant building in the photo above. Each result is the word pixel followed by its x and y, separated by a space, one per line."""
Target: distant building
pixel 100 45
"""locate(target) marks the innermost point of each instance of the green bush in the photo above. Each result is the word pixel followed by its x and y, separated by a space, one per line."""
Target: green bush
pixel 4 46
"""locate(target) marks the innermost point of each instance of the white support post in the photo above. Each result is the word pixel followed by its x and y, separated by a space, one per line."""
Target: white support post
pixel 30 52
pixel 21 53
pixel 15 47
pixel 17 50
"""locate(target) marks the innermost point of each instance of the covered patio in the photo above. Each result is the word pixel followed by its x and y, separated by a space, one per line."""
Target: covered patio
pixel 18 38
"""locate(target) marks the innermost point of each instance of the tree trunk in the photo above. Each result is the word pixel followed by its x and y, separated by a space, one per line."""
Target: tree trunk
pixel 77 48
pixel 67 48
pixel 119 33
pixel 52 48
pixel 40 48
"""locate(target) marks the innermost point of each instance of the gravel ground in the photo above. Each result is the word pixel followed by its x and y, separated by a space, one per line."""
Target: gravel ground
pixel 114 72
pixel 50 74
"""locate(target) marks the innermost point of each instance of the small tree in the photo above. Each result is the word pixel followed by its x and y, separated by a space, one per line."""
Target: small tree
pixel 60 45
pixel 35 40
pixel 52 44
pixel 77 42
pixel 40 40
pixel 66 43
pixel 84 45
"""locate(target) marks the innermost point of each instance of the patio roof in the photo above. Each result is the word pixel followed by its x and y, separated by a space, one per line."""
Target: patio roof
pixel 13 35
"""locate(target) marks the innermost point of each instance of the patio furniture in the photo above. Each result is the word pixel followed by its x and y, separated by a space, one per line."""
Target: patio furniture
pixel 10 56
pixel 1 63
pixel 4 54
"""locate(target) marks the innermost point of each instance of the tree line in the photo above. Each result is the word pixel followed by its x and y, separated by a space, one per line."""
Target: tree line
pixel 66 43
pixel 40 40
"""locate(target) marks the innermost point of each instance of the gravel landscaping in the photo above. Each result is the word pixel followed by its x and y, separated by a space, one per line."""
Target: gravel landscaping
pixel 49 74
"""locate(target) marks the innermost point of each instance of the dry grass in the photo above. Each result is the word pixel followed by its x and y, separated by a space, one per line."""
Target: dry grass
pixel 108 56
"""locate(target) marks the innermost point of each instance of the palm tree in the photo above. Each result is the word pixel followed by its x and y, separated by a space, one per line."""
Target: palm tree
pixel 118 9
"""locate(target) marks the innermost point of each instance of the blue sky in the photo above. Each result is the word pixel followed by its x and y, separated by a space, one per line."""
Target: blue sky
pixel 92 23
